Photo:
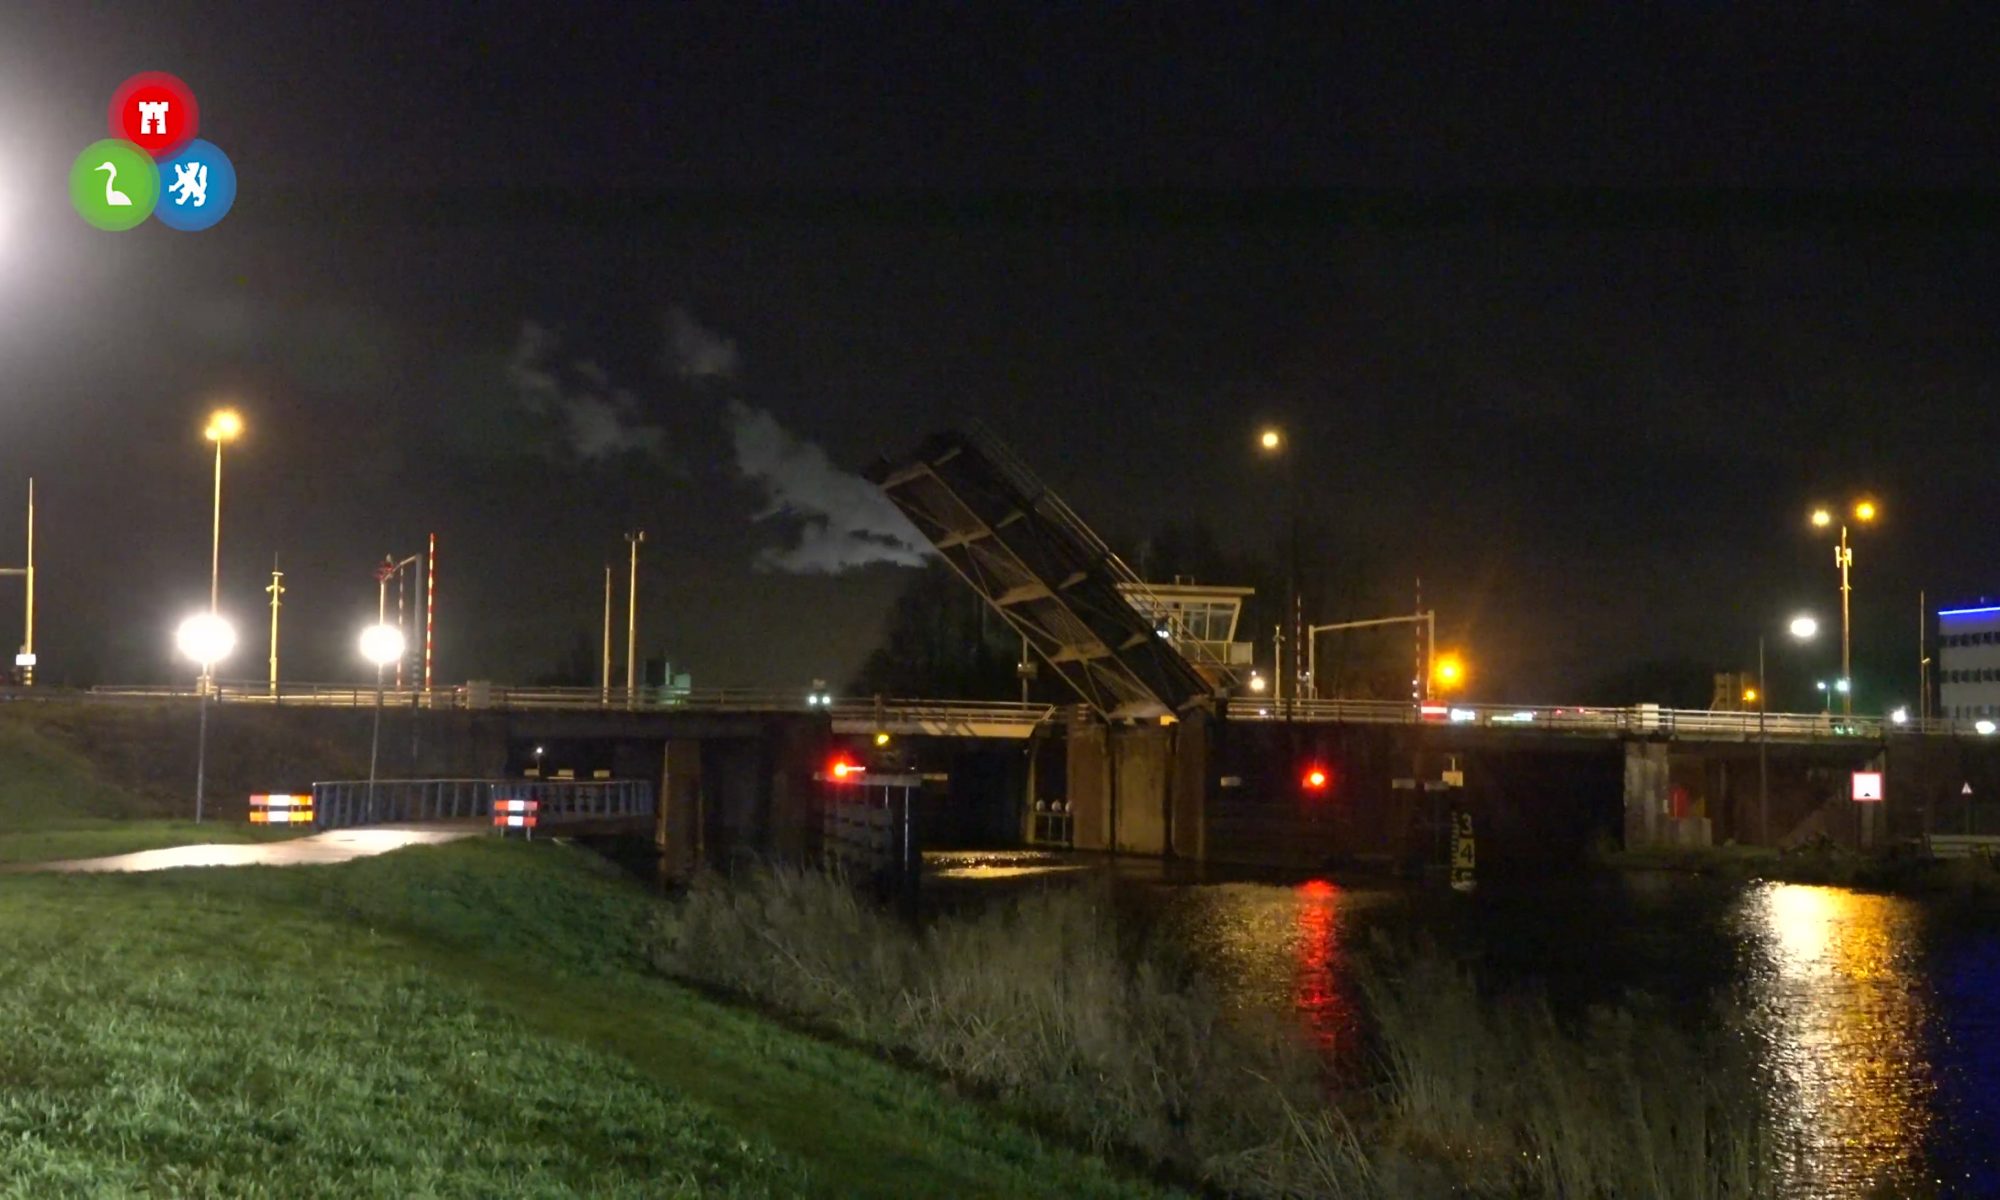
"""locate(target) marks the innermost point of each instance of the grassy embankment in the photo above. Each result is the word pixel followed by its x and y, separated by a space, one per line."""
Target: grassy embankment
pixel 469 1020
pixel 1037 1003
pixel 54 804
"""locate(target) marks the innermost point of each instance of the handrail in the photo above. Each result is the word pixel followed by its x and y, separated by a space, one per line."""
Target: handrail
pixel 1632 720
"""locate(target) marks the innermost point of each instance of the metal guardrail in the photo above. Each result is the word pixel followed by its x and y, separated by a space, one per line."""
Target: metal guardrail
pixel 338 804
pixel 479 697
pixel 1635 721
pixel 940 715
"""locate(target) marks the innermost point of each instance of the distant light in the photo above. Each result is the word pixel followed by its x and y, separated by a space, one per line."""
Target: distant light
pixel 1820 684
pixel 1749 695
pixel 1985 727
pixel 382 644
pixel 223 425
pixel 1521 717
pixel 1822 518
pixel 1463 715
pixel 538 750
pixel 1842 686
pixel 1900 716
pixel 1315 779
pixel 1864 511
pixel 1271 439
pixel 1257 682
pixel 1448 671
pixel 842 768
pixel 1164 631
pixel 882 737
pixel 1968 612
pixel 1805 628
pixel 205 638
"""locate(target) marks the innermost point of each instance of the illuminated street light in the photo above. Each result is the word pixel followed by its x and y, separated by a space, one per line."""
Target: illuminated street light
pixel 1258 683
pixel 1984 728
pixel 1864 511
pixel 206 639
pixel 382 644
pixel 1899 716
pixel 1449 672
pixel 224 425
pixel 1804 628
pixel 1271 439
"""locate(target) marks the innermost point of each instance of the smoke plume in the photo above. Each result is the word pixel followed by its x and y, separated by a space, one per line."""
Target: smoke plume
pixel 594 419
pixel 842 521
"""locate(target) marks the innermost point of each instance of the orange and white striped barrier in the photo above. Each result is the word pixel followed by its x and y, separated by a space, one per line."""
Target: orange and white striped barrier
pixel 281 810
pixel 515 814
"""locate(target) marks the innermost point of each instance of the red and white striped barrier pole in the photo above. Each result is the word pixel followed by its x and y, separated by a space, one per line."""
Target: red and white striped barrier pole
pixel 516 814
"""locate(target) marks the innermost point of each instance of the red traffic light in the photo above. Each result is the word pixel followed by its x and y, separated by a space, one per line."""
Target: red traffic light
pixel 1316 779
pixel 846 769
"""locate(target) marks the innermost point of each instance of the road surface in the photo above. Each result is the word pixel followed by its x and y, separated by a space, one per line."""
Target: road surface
pixel 334 846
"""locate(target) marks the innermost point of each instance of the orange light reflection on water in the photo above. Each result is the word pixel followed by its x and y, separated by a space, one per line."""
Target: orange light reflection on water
pixel 1322 969
pixel 1836 995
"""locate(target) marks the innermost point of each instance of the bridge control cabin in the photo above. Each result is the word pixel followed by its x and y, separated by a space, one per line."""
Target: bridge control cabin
pixel 1200 620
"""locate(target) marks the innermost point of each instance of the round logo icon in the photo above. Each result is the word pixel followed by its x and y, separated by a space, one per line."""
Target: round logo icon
pixel 197 185
pixel 155 111
pixel 114 184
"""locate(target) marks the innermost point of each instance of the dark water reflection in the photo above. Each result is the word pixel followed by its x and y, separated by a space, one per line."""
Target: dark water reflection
pixel 1875 1019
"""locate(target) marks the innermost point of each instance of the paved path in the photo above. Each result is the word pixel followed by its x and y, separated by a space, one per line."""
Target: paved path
pixel 334 846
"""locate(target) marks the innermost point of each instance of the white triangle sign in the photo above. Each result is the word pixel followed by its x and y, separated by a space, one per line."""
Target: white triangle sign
pixel 1966 790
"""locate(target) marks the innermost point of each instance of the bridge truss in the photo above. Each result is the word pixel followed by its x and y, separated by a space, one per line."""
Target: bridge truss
pixel 1052 579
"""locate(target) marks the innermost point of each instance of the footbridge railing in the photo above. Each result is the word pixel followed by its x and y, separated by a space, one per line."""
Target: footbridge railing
pixel 338 804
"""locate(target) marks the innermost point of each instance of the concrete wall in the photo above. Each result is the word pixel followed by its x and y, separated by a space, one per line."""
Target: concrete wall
pixel 1144 758
pixel 1089 778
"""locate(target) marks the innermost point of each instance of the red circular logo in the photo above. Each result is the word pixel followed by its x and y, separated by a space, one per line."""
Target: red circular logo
pixel 156 112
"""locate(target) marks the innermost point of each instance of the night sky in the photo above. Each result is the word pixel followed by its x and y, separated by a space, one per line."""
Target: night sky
pixel 1574 320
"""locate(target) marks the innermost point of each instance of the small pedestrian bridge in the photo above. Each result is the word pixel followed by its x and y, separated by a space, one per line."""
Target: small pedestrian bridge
pixel 606 803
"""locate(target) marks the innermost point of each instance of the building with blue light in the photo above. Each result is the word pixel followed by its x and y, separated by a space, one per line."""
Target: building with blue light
pixel 1968 643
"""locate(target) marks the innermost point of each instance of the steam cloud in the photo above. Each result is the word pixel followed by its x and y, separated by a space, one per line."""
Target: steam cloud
pixel 844 522
pixel 596 419
pixel 695 351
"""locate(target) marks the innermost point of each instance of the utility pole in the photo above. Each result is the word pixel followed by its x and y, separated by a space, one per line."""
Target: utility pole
pixel 25 660
pixel 276 589
pixel 632 620
pixel 430 612
pixel 1923 658
pixel 604 675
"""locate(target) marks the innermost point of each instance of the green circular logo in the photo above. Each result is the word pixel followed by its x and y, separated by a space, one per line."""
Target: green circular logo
pixel 114 184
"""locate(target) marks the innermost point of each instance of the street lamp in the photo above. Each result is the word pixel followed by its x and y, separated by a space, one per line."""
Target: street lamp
pixel 224 425
pixel 381 644
pixel 206 639
pixel 1271 441
pixel 1803 628
pixel 1448 673
pixel 1864 513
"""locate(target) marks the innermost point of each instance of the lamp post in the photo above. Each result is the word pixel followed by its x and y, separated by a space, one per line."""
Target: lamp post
pixel 381 644
pixel 1271 441
pixel 1802 628
pixel 224 425
pixel 206 639
pixel 632 619
pixel 1864 512
pixel 1446 672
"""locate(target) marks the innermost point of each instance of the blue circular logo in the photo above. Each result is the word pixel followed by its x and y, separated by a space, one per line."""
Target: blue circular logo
pixel 197 187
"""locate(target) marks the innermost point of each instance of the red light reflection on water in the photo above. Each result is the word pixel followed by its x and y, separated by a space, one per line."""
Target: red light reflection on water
pixel 1320 991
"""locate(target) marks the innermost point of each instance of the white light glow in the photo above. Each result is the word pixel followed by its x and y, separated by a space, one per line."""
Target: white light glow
pixel 1804 628
pixel 381 644
pixel 205 638
pixel 1900 716
pixel 1985 728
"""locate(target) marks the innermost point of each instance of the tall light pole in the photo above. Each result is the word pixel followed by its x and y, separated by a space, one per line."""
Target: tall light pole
pixel 381 644
pixel 207 639
pixel 224 425
pixel 632 619
pixel 604 673
pixel 1426 619
pixel 1802 628
pixel 1271 441
pixel 1843 558
pixel 25 659
pixel 276 589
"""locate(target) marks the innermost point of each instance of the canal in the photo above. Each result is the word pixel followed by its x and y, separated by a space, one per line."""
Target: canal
pixel 1874 1019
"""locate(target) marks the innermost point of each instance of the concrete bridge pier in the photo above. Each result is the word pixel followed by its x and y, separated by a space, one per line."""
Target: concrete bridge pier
pixel 1141 789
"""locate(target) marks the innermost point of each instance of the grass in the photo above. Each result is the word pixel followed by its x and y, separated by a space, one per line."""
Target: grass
pixel 468 1020
pixel 1037 1003
pixel 55 804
